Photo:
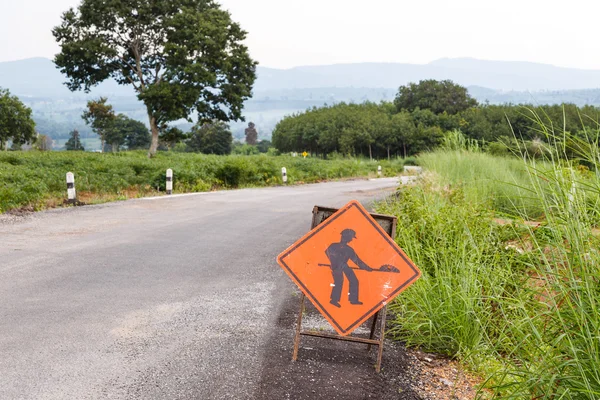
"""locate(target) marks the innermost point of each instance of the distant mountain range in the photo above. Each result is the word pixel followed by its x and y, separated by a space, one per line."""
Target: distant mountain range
pixel 498 75
pixel 38 77
pixel 278 92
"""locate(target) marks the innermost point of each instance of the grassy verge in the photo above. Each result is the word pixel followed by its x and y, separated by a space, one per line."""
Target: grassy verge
pixel 501 183
pixel 37 180
pixel 517 302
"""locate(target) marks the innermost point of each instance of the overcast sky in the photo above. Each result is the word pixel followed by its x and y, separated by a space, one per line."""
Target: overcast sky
pixel 286 33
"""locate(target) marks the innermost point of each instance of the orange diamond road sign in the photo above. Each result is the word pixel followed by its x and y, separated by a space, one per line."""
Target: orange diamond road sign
pixel 348 267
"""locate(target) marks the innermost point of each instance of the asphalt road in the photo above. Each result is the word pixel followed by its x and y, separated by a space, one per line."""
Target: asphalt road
pixel 169 298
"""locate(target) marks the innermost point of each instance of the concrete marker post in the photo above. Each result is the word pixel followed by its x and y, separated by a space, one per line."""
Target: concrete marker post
pixel 169 181
pixel 379 171
pixel 284 174
pixel 71 194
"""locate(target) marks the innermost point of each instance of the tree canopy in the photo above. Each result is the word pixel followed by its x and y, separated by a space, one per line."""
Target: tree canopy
pixel 100 116
pixel 210 138
pixel 436 96
pixel 116 130
pixel 74 142
pixel 170 136
pixel 384 129
pixel 180 56
pixel 369 129
pixel 134 134
pixel 137 135
pixel 16 124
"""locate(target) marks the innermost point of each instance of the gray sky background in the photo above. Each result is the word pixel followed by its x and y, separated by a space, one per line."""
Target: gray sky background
pixel 285 33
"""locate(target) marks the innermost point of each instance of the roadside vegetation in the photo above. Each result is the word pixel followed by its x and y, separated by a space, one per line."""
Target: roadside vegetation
pixel 509 251
pixel 420 119
pixel 37 179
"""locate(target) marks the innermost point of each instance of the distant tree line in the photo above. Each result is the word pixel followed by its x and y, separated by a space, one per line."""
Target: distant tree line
pixel 417 120
pixel 118 132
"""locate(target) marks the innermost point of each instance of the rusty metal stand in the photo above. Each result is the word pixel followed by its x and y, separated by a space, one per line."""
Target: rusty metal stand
pixel 369 342
pixel 373 328
pixel 388 223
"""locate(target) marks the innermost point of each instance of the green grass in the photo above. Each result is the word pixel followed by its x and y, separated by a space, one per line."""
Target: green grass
pixel 518 303
pixel 502 183
pixel 37 179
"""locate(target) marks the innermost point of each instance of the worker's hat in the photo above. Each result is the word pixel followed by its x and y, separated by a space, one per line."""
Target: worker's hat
pixel 348 233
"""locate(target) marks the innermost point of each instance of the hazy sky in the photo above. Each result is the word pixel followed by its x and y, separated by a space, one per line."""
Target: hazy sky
pixel 286 33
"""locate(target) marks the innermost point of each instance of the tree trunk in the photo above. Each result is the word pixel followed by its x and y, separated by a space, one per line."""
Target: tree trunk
pixel 154 129
pixel 404 145
pixel 370 153
pixel 388 153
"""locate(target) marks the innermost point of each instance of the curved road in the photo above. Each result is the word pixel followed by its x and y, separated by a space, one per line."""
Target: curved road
pixel 169 298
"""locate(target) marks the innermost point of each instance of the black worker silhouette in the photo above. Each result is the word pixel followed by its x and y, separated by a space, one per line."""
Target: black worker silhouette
pixel 339 254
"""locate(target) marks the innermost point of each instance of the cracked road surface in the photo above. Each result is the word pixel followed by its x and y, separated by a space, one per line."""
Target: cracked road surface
pixel 169 298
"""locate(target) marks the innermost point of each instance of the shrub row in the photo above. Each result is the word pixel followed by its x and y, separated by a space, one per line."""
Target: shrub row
pixel 33 178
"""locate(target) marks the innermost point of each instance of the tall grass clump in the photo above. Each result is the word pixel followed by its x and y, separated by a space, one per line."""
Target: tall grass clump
pixel 501 182
pixel 563 346
pixel 517 301
pixel 456 307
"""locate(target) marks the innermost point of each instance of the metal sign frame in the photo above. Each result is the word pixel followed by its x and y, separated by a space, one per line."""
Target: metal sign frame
pixel 388 223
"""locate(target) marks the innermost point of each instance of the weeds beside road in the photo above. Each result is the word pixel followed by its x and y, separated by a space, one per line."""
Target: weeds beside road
pixel 516 301
pixel 37 179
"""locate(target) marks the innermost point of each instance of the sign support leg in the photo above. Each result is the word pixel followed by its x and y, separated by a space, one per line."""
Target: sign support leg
pixel 381 338
pixel 298 328
pixel 373 328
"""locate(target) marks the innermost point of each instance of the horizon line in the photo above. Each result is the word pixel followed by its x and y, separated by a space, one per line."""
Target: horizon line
pixel 374 63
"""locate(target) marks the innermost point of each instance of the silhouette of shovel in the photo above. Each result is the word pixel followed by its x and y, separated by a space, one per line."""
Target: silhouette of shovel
pixel 383 268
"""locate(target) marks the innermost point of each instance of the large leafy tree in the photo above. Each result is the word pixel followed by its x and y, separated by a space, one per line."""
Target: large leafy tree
pixel 180 56
pixel 16 124
pixel 117 132
pixel 136 134
pixel 437 96
pixel 211 138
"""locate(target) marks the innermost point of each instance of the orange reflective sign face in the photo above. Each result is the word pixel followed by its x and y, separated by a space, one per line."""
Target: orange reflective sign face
pixel 348 267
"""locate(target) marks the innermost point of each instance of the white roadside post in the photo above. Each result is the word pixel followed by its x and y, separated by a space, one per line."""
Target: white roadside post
pixel 71 195
pixel 379 171
pixel 284 174
pixel 169 181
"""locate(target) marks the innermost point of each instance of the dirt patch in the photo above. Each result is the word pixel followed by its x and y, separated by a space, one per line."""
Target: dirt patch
pixel 21 211
pixel 130 193
pixel 331 369
pixel 17 215
pixel 435 377
pixel 91 198
pixel 503 221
